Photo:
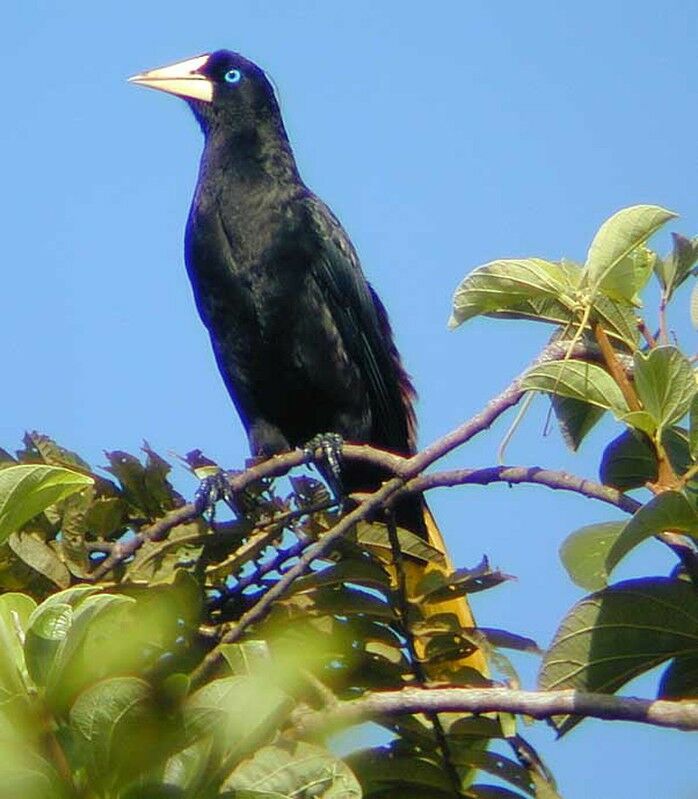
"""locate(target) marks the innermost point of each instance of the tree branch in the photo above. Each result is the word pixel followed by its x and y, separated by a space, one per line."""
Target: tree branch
pixel 538 704
pixel 525 474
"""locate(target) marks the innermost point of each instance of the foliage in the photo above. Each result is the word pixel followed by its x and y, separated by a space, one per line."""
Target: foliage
pixel 115 593
pixel 649 385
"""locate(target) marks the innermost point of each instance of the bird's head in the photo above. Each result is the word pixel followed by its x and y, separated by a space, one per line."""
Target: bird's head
pixel 220 87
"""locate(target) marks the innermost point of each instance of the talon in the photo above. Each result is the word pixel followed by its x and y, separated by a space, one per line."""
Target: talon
pixel 331 446
pixel 211 490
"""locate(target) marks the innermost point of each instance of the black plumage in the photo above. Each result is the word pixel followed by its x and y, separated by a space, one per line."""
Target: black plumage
pixel 301 339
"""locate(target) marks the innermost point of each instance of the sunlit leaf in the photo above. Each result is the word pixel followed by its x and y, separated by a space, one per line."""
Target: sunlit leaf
pixel 500 285
pixel 578 380
pixel 26 490
pixel 665 383
pixel 629 276
pixel 618 236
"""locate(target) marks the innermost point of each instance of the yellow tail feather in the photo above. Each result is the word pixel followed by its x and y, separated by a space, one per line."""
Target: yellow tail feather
pixel 459 607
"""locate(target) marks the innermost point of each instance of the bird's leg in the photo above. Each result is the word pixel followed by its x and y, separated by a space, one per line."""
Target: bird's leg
pixel 211 490
pixel 331 446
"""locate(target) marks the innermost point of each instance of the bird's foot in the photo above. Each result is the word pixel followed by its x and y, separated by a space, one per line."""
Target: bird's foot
pixel 331 446
pixel 213 489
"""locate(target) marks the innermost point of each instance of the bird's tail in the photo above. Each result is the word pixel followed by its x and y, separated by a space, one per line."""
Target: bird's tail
pixel 442 611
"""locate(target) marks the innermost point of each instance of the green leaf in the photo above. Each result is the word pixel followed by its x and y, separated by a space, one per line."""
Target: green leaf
pixel 612 636
pixel 48 625
pixel 31 549
pixel 575 418
pixel 375 536
pixel 122 732
pixel 27 490
pixel 677 266
pixel 507 640
pixel 665 384
pixel 584 553
pixel 578 380
pixel 693 429
pixel 500 285
pixel 437 587
pixel 680 679
pixel 693 306
pixel 384 769
pixel 641 421
pixel 88 651
pixel 241 712
pixel 618 236
pixel 669 510
pixel 15 611
pixel 247 657
pixel 493 763
pixel 293 770
pixel 618 319
pixel 628 462
pixel 629 276
pixel 359 571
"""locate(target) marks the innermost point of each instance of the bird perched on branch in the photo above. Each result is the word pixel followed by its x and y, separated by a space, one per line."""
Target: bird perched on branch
pixel 301 339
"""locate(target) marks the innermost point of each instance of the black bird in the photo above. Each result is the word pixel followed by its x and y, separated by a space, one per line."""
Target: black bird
pixel 301 339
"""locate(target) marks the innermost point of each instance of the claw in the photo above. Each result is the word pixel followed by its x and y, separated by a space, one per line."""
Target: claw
pixel 331 446
pixel 211 490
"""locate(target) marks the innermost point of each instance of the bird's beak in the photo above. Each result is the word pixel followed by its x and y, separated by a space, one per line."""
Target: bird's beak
pixel 181 79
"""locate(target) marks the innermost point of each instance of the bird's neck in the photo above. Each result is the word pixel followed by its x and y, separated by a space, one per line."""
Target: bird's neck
pixel 254 154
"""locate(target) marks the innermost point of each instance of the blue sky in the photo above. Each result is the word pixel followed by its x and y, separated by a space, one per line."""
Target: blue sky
pixel 443 135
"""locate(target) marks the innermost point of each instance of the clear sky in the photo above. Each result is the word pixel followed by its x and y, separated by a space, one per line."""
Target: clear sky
pixel 444 135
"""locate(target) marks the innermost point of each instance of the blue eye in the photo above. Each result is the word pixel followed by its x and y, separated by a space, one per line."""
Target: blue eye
pixel 232 76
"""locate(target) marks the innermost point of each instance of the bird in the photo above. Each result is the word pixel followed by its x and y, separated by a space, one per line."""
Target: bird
pixel 301 339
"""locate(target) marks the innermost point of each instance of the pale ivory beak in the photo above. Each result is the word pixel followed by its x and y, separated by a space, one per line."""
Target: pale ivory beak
pixel 180 79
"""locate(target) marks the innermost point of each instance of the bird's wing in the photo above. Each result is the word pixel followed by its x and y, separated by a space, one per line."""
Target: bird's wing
pixel 362 324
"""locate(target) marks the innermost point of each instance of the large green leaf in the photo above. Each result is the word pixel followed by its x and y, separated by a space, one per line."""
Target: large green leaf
pixel 669 510
pixel 612 636
pixel 28 489
pixel 296 769
pixel 500 285
pixel 241 712
pixel 584 553
pixel 665 383
pixel 124 732
pixel 618 236
pixel 578 380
